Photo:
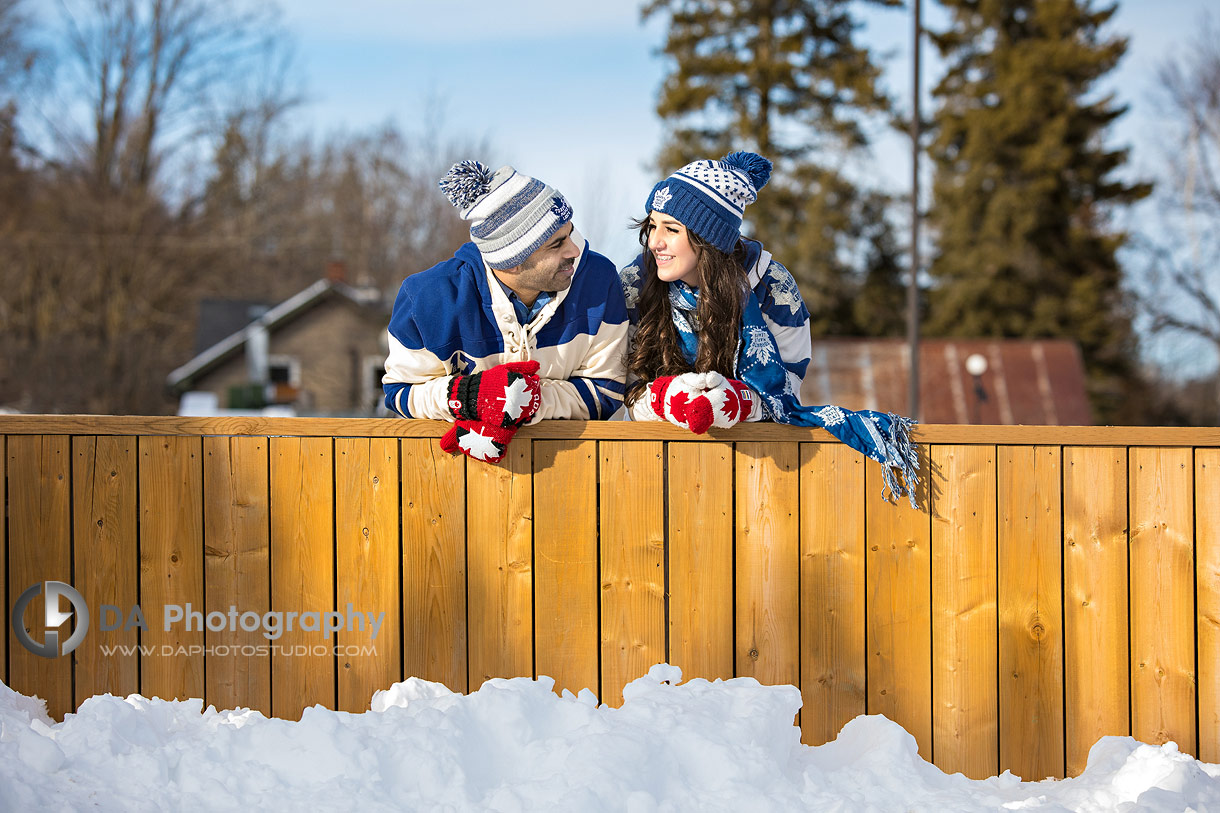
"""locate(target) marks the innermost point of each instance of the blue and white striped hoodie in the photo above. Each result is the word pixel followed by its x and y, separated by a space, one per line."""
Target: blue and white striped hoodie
pixel 455 318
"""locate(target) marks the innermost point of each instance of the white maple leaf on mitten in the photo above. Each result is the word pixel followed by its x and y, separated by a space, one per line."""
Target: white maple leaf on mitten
pixel 517 397
pixel 479 446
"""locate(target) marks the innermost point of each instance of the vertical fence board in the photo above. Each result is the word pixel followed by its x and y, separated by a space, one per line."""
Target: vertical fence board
pixel 1095 599
pixel 40 506
pixel 700 494
pixel 565 563
pixel 6 597
pixel 1207 541
pixel 966 735
pixel 106 556
pixel 768 562
pixel 237 568
pixel 366 567
pixel 499 521
pixel 899 635
pixel 632 516
pixel 1031 627
pixel 433 563
pixel 171 565
pixel 1162 597
pixel 302 571
pixel 832 589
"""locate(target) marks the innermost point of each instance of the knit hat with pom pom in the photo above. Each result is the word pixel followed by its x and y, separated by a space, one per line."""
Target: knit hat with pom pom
pixel 710 197
pixel 511 215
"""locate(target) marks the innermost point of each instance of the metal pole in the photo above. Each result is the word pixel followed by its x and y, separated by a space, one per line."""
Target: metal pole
pixel 913 282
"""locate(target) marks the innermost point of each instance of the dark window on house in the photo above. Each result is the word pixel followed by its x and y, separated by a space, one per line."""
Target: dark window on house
pixel 279 373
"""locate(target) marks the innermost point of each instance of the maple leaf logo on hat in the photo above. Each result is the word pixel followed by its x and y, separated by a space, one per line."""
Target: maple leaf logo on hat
pixel 661 198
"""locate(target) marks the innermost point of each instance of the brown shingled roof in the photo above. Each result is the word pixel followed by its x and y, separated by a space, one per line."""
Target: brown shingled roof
pixel 1032 382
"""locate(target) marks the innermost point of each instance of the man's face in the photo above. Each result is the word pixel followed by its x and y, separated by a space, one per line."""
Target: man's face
pixel 550 268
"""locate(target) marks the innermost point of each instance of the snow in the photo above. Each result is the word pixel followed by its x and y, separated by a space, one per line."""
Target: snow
pixel 514 745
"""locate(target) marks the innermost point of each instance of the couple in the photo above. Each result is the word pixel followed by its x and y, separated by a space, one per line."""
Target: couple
pixel 526 323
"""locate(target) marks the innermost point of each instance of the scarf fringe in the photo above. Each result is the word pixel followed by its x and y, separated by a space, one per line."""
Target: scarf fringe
pixel 900 466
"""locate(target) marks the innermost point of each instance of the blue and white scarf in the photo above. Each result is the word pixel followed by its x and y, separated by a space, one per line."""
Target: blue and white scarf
pixel 884 437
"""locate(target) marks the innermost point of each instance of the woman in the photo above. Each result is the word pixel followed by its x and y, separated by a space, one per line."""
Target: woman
pixel 720 333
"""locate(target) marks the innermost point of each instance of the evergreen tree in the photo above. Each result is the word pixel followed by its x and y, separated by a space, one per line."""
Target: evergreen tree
pixel 785 78
pixel 1024 185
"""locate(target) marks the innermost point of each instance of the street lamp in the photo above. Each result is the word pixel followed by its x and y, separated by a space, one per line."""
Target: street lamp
pixel 913 280
pixel 976 365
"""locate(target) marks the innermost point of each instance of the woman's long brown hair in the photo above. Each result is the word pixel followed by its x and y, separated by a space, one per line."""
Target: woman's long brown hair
pixel 655 349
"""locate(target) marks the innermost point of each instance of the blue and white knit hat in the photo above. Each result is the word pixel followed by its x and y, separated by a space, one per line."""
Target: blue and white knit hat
pixel 710 197
pixel 511 215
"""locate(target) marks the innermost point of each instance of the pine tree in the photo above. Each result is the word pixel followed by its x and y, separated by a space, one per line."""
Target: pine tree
pixel 786 79
pixel 1024 187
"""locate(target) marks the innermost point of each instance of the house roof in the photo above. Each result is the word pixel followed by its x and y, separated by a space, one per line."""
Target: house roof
pixel 219 318
pixel 181 378
pixel 1027 381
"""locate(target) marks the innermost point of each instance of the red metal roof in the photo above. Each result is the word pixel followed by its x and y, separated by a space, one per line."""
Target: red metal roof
pixel 1032 382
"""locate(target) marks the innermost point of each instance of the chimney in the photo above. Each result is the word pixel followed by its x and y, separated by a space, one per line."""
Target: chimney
pixel 257 347
pixel 336 271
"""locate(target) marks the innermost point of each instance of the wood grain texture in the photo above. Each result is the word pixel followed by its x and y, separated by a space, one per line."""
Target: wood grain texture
pixel 237 568
pixel 500 527
pixel 1162 597
pixel 6 597
pixel 171 566
pixel 768 562
pixel 302 572
pixel 931 434
pixel 1207 546
pixel 964 613
pixel 700 493
pixel 566 591
pixel 833 675
pixel 40 550
pixel 367 568
pixel 633 601
pixel 105 550
pixel 1096 688
pixel 899 613
pixel 1030 553
pixel 434 564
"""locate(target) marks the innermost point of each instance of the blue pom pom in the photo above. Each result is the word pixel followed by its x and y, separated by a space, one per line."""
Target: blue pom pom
pixel 752 164
pixel 466 182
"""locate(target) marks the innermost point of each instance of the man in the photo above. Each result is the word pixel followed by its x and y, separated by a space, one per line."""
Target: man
pixel 521 324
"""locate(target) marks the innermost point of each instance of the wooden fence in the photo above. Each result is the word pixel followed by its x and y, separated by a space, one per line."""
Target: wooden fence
pixel 1058 583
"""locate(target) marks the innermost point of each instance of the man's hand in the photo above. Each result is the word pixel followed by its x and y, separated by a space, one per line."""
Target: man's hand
pixel 489 407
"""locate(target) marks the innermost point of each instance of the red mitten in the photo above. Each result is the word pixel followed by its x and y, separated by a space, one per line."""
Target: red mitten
pixel 477 440
pixel 681 401
pixel 489 407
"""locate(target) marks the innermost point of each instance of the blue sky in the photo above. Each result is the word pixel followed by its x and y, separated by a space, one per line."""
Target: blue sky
pixel 566 91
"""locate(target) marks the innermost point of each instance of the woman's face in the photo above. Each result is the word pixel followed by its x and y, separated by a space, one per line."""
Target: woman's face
pixel 670 245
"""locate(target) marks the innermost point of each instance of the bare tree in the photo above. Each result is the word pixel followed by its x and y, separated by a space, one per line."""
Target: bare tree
pixel 17 55
pixel 368 199
pixel 157 76
pixel 1181 286
pixel 101 295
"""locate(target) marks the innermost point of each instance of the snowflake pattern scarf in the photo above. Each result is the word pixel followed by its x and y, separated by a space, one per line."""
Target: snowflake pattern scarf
pixel 880 436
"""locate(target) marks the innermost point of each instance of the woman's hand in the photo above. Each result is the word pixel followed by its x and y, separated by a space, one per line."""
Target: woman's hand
pixel 683 400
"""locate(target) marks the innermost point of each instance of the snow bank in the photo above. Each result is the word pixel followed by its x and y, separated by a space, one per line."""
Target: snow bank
pixel 515 746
